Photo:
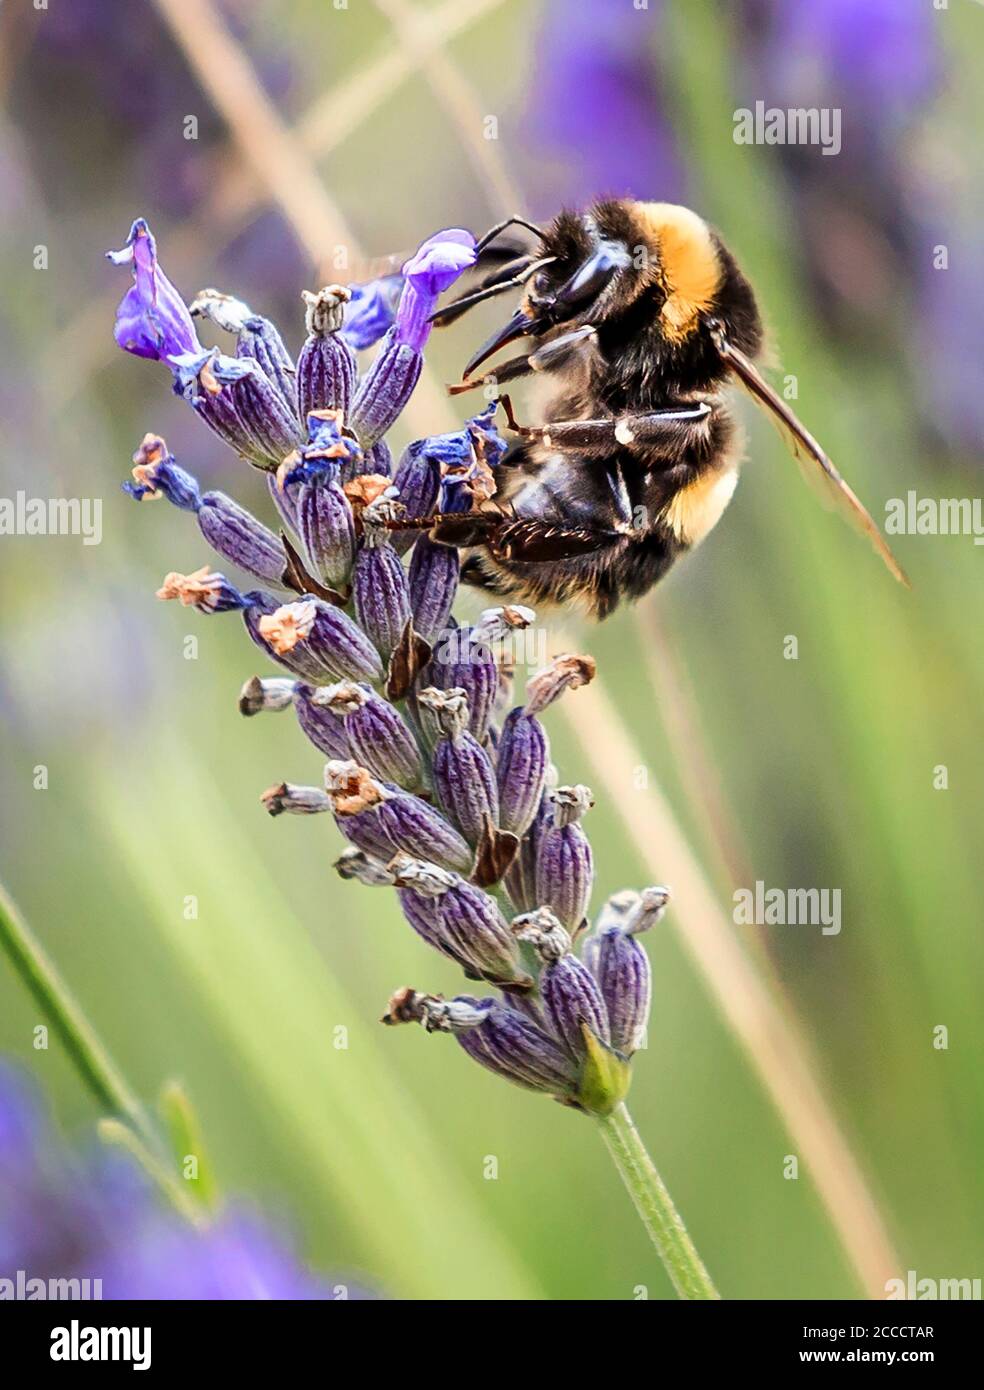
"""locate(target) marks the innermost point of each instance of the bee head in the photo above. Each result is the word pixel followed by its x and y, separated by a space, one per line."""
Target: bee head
pixel 652 269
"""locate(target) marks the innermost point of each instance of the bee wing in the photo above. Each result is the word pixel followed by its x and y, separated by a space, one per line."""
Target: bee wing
pixel 807 452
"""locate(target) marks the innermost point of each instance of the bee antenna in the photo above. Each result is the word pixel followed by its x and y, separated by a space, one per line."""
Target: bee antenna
pixel 514 221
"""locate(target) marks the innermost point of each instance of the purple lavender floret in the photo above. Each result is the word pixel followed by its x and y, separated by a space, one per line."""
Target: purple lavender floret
pixel 152 319
pixel 380 590
pixel 571 998
pixel 621 966
pixel 564 863
pixel 466 923
pixel 464 777
pixel 431 270
pixel 371 310
pixel 385 821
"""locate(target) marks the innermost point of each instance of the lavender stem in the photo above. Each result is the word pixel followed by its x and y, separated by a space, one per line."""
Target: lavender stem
pixel 655 1206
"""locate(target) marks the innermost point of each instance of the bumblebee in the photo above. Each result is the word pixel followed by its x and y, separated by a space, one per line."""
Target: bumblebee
pixel 641 317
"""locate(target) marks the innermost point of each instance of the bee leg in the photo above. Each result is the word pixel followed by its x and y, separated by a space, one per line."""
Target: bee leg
pixel 538 542
pixel 678 427
pixel 544 359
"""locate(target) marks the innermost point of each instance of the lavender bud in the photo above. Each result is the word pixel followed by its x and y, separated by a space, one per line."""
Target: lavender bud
pixel 511 1045
pixel 231 530
pixel 274 693
pixel 571 998
pixel 463 662
pixel 268 415
pixel 336 647
pixel 383 821
pixel 297 801
pixel 379 583
pixel 436 1014
pixel 320 724
pixel 205 590
pixel 324 728
pixel 465 923
pixel 563 673
pixel 464 778
pixel 258 339
pixel 295 655
pixel 434 573
pixel 240 538
pixel 564 863
pixel 326 526
pixel 377 736
pixel 521 769
pixel 385 388
pixel 326 368
pixel 418 486
pixel 379 460
pixel 520 878
pixel 621 966
pixel 235 397
pixel 355 863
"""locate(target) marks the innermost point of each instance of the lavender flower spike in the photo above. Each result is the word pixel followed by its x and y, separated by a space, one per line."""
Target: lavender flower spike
pixel 440 791
pixel 621 966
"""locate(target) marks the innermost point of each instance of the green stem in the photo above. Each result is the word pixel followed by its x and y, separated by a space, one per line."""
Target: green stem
pixel 92 1061
pixel 655 1207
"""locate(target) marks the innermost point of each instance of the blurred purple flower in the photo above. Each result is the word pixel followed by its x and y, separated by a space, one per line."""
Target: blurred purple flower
pixel 64 1217
pixel 882 55
pixel 598 106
